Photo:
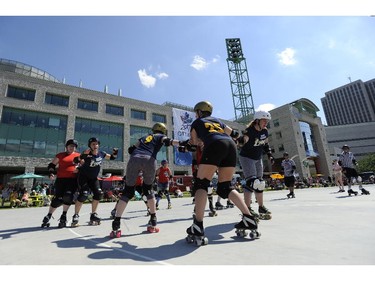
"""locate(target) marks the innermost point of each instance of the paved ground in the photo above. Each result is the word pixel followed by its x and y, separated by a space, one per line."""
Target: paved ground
pixel 318 227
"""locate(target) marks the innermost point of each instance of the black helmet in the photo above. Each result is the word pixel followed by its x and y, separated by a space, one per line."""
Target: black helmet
pixel 285 154
pixel 159 127
pixel 204 106
pixel 345 146
pixel 71 141
pixel 93 139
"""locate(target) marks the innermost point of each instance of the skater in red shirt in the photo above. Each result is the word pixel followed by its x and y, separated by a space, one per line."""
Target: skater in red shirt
pixel 66 181
pixel 163 176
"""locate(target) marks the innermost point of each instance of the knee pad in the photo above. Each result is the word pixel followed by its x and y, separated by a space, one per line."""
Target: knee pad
pixel 67 198
pixel 83 195
pixel 148 191
pixel 128 193
pixel 224 188
pixel 56 202
pixel 255 185
pixel 259 185
pixel 98 194
pixel 201 184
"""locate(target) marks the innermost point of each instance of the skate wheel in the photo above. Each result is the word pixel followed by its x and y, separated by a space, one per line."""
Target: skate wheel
pixel 241 233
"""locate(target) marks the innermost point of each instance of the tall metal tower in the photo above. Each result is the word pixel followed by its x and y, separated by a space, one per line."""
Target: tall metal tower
pixel 239 81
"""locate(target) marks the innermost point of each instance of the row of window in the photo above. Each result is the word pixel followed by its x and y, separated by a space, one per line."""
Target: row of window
pixel 59 100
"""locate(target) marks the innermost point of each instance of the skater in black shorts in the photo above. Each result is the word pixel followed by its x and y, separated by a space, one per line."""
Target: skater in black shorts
pixel 288 166
pixel 218 153
pixel 66 181
pixel 347 161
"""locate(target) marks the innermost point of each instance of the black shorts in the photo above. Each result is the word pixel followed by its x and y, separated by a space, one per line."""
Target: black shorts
pixel 221 153
pixel 289 181
pixel 349 172
pixel 62 185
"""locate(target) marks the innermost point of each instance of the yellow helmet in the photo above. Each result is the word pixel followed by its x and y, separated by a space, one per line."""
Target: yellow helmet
pixel 159 127
pixel 204 106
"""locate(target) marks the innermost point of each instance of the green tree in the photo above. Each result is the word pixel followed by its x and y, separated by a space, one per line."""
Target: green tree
pixel 367 164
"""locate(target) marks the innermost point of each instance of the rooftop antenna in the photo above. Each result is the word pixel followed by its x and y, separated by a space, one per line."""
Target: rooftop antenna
pixel 350 79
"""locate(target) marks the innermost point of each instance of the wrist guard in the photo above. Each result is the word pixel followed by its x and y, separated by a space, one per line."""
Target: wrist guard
pixel 131 149
pixel 51 168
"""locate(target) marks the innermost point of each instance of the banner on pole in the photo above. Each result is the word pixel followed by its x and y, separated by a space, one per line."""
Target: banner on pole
pixel 182 120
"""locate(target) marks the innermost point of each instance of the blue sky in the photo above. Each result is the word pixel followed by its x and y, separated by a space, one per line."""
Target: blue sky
pixel 182 59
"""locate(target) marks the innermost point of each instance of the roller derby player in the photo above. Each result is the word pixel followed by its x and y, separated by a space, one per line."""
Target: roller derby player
pixel 163 176
pixel 218 154
pixel 347 161
pixel 288 166
pixel 252 145
pixel 65 184
pixel 90 162
pixel 142 157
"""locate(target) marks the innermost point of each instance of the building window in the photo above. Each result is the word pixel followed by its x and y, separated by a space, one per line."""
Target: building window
pixel 281 147
pixel 87 105
pixel 276 123
pixel 278 135
pixel 56 100
pixel 20 93
pixel 31 134
pixel 114 110
pixel 136 114
pixel 159 118
pixel 110 135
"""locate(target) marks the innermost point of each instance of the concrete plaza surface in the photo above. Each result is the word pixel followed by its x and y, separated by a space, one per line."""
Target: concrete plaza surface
pixel 318 227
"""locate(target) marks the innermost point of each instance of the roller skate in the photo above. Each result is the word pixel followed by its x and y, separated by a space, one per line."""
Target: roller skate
pixel 230 204
pixel 351 191
pixel 113 214
pixel 152 228
pixel 290 195
pixel 364 191
pixel 45 222
pixel 116 232
pixel 212 213
pixel 247 223
pixel 196 234
pixel 254 214
pixel 75 220
pixel 264 213
pixel 169 205
pixel 62 221
pixel 219 206
pixel 94 219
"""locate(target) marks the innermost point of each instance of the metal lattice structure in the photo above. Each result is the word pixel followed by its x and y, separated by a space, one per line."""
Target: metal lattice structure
pixel 239 81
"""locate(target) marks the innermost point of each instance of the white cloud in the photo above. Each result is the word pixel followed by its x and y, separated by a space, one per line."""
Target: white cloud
pixel 147 80
pixel 162 75
pixel 286 57
pixel 266 107
pixel 200 63
pixel 331 44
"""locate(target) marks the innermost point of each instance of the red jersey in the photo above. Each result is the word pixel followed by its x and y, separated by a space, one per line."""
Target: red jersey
pixel 164 174
pixel 66 166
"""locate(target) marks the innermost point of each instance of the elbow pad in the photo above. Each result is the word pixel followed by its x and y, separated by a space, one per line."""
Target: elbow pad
pixel 234 134
pixel 51 168
pixel 167 141
pixel 131 149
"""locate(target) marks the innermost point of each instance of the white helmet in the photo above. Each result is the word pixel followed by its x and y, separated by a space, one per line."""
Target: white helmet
pixel 262 115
